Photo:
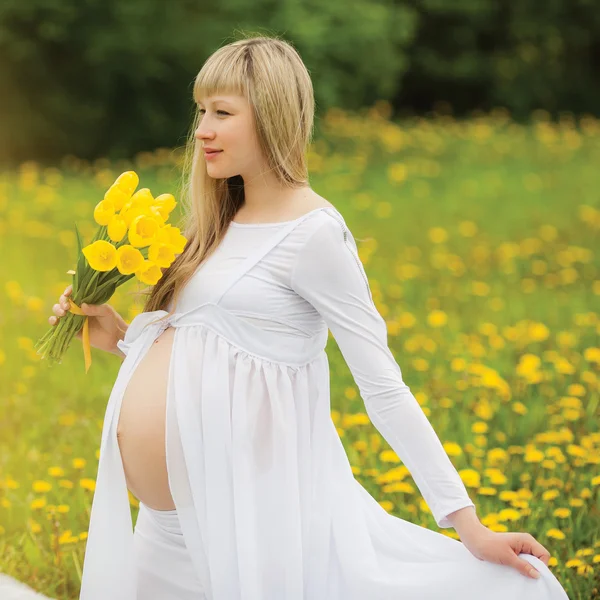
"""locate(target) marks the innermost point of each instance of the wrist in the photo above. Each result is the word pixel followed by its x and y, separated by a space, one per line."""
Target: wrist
pixel 122 327
pixel 466 522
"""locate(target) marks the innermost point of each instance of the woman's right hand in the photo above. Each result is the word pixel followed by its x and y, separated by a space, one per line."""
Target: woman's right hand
pixel 106 325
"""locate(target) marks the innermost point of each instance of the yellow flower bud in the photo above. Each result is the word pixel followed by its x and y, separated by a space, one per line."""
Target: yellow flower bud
pixel 117 228
pixel 117 196
pixel 144 196
pixel 104 211
pixel 165 203
pixel 127 181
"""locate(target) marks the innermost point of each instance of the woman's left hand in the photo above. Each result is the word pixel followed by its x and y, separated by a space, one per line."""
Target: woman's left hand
pixel 504 547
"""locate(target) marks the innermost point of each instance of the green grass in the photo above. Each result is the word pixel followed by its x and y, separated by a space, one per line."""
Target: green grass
pixel 480 241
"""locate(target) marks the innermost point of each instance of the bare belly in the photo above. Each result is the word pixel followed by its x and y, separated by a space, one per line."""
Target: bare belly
pixel 141 426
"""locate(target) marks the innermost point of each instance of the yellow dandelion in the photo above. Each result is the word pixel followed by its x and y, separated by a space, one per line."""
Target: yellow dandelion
pixel 556 534
pixel 452 449
pixel 470 477
pixel 389 456
pixel 87 484
pixel 574 562
pixel 350 393
pixel 41 486
pixel 437 318
pixel 479 427
pixel 592 355
pixel 38 503
pixel 34 526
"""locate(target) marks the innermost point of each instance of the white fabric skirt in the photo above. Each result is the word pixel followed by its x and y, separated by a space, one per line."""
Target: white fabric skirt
pixel 164 567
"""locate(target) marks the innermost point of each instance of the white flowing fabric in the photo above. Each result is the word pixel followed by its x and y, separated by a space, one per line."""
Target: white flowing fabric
pixel 264 492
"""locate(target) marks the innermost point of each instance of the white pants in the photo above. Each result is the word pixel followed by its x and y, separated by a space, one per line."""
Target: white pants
pixel 165 570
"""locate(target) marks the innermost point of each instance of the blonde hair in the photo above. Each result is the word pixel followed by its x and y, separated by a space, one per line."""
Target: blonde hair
pixel 270 74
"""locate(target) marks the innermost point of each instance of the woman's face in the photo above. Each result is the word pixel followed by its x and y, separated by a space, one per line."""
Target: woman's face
pixel 227 124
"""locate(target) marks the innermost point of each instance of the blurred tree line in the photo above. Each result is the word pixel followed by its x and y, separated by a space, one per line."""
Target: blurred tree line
pixel 112 77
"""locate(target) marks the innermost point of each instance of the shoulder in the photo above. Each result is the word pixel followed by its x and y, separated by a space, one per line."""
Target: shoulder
pixel 323 238
pixel 325 225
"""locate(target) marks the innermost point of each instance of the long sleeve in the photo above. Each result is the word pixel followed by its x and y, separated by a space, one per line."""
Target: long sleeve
pixel 329 275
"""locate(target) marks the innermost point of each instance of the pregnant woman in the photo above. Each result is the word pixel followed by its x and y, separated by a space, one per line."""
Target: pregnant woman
pixel 219 421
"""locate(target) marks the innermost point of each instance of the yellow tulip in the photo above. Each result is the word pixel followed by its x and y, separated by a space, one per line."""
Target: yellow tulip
pixel 117 228
pixel 129 259
pixel 153 211
pixel 127 181
pixel 117 195
pixel 171 235
pixel 149 273
pixel 143 230
pixel 104 212
pixel 101 255
pixel 161 254
pixel 130 212
pixel 165 204
pixel 145 196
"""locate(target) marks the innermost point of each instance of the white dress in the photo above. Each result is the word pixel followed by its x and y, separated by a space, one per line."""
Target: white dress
pixel 265 495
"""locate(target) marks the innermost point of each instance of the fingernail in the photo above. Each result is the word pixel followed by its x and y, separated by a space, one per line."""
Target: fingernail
pixel 535 573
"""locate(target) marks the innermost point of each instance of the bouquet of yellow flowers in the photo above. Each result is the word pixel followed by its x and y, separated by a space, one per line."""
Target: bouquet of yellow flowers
pixel 133 240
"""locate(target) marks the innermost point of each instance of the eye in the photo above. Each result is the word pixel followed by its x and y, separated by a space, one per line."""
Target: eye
pixel 201 110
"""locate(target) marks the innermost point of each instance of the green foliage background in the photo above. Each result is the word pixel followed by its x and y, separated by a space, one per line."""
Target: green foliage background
pixel 109 78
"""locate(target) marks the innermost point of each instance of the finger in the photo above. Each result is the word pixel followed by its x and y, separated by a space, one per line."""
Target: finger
pixel 53 320
pixel 68 289
pixel 524 567
pixel 58 310
pixel 94 309
pixel 533 547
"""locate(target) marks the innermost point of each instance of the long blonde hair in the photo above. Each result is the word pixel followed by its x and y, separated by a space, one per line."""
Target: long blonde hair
pixel 271 75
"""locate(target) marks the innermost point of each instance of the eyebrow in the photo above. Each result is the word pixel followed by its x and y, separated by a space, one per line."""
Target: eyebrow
pixel 219 100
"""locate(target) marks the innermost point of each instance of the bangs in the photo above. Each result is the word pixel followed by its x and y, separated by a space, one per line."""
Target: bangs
pixel 222 74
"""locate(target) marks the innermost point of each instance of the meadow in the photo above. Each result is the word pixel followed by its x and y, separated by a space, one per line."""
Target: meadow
pixel 479 238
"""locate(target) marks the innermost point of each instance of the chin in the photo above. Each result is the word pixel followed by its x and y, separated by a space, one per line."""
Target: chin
pixel 217 173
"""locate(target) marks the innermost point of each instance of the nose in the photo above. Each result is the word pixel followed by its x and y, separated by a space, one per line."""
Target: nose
pixel 203 134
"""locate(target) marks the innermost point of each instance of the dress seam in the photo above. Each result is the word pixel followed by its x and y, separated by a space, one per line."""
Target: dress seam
pixel 345 232
pixel 253 354
pixel 281 321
